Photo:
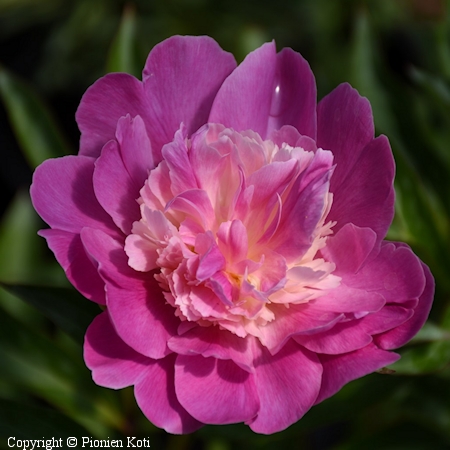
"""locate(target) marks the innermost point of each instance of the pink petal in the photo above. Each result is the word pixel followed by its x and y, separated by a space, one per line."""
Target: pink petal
pixel 271 180
pixel 220 344
pixel 215 391
pixel 349 248
pixel 115 189
pixel 342 338
pixel 396 274
pixel 155 395
pixel 79 268
pixel 303 209
pixel 288 384
pixel 347 299
pixel 182 76
pixel 338 370
pixel 294 99
pixel 180 170
pixel 211 259
pixel 113 363
pixel 244 100
pixel 63 195
pixel 194 203
pixel 386 319
pixel 135 149
pixel 103 104
pixel 289 135
pixel 366 197
pixel 297 319
pixel 232 240
pixel 344 126
pixel 135 302
pixel 402 334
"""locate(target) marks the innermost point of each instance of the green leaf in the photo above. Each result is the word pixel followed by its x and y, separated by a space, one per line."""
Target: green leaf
pixel 25 421
pixel 21 249
pixel 31 120
pixel 423 359
pixel 431 333
pixel 69 310
pixel 54 371
pixel 123 51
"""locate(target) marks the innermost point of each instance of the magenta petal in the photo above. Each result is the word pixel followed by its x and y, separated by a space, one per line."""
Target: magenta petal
pixel 115 189
pixel 155 395
pixel 344 126
pixel 402 334
pixel 366 196
pixel 396 273
pixel 338 370
pixel 113 363
pixel 211 341
pixel 244 100
pixel 346 299
pixel 135 148
pixel 349 248
pixel 386 319
pixel 215 391
pixel 107 100
pixel 79 268
pixel 62 193
pixel 136 305
pixel 298 319
pixel 294 96
pixel 342 338
pixel 288 384
pixel 181 77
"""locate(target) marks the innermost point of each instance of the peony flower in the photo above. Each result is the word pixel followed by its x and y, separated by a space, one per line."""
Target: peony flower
pixel 234 230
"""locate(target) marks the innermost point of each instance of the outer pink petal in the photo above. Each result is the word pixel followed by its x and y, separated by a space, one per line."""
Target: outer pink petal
pixel 135 302
pixel 215 391
pixel 338 370
pixel 386 319
pixel 113 363
pixel 346 299
pixel 182 76
pixel 103 104
pixel 135 148
pixel 294 95
pixel 245 98
pixel 342 338
pixel 115 189
pixel 211 341
pixel 79 268
pixel 155 395
pixel 298 319
pixel 366 197
pixel 63 195
pixel 395 273
pixel 349 248
pixel 288 384
pixel 344 126
pixel 401 335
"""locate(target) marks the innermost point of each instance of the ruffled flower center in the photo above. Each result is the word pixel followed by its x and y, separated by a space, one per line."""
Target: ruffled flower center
pixel 232 227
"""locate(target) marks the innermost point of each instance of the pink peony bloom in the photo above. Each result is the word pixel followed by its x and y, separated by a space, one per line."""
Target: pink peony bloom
pixel 234 230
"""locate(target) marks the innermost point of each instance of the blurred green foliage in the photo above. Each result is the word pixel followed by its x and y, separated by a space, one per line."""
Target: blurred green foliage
pixel 395 52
